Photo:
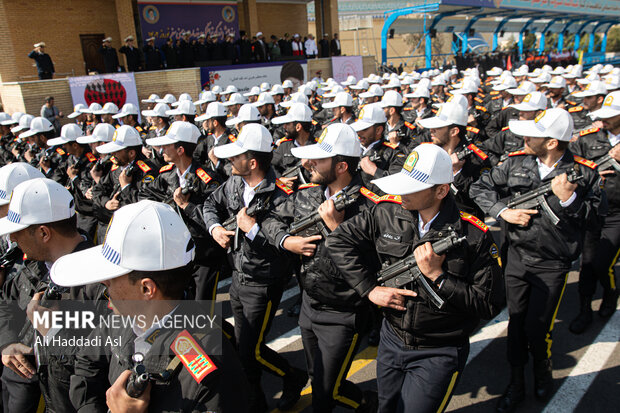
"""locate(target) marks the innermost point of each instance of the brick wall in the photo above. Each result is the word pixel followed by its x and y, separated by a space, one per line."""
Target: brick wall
pixel 174 81
pixel 280 18
pixel 58 23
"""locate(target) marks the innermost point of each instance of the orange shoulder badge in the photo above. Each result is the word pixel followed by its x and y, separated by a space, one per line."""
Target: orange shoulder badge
pixel 166 168
pixel 144 167
pixel 60 151
pixel 204 177
pixel 114 167
pixel 585 162
pixel 505 128
pixel 474 221
pixel 304 186
pixel 391 198
pixel 410 125
pixel 283 187
pixel 516 153
pixel 473 130
pixel 575 109
pixel 282 140
pixel 481 108
pixel 478 151
pixel 91 157
pixel 196 361
pixel 370 195
pixel 477 99
pixel 589 131
pixel 232 138
pixel 391 145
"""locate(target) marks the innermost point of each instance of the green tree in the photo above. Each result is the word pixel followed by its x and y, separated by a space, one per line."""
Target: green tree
pixel 613 40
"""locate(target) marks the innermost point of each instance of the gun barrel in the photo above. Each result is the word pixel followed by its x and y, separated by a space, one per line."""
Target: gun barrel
pixel 137 384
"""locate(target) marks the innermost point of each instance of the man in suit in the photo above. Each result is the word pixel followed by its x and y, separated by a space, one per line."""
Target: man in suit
pixel 335 46
pixel 324 46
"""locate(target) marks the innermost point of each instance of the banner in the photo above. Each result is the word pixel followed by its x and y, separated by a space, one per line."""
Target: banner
pixel 344 66
pixel 118 88
pixel 162 20
pixel 246 76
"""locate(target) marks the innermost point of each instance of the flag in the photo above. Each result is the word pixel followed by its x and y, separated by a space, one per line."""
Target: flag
pixel 508 64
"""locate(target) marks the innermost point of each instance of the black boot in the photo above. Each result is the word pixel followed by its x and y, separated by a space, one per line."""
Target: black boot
pixel 515 393
pixel 584 318
pixel 294 382
pixel 610 301
pixel 543 379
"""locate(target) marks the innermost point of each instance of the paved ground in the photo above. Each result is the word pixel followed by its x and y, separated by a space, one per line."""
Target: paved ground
pixel 586 367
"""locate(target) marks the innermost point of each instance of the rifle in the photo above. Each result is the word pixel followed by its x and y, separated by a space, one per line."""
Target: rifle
pixel 98 167
pixel 313 224
pixel 10 257
pixel 261 205
pixel 607 162
pixel 536 198
pixel 466 151
pixel 139 378
pixel 292 171
pixel 505 156
pixel 406 270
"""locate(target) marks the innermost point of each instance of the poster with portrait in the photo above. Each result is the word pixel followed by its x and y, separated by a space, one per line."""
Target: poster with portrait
pixel 118 88
pixel 246 76
pixel 344 66
pixel 165 19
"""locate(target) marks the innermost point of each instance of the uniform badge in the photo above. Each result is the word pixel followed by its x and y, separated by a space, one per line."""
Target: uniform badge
pixel 193 357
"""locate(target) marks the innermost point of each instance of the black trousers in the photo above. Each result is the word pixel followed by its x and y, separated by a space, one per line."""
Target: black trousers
pixel 601 249
pixel 253 309
pixel 45 75
pixel 416 379
pixel 533 297
pixel 331 340
pixel 19 394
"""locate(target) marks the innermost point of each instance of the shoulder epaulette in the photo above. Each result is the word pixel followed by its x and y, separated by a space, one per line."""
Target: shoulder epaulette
pixel 139 128
pixel 474 221
pixel 91 157
pixel 229 115
pixel 391 198
pixel 391 145
pixel 114 167
pixel 408 109
pixel 434 111
pixel 482 108
pixel 575 109
pixel 314 122
pixel 482 95
pixel 589 131
pixel 505 128
pixel 478 151
pixel 232 138
pixel 304 186
pixel 204 177
pixel 117 126
pixel 505 107
pixel 494 92
pixel 585 162
pixel 144 167
pixel 370 195
pixel 60 151
pixel 283 187
pixel 516 153
pixel 166 168
pixel 472 129
pixel 477 99
pixel 313 107
pixel 410 125
pixel 194 358
pixel 495 97
pixel 571 102
pixel 153 128
pixel 282 140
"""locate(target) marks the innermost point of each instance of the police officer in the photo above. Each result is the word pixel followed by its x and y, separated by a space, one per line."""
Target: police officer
pixel 41 220
pixel 184 183
pixel 397 131
pixel 555 93
pixel 50 160
pixel 502 99
pixel 342 109
pixel 214 125
pixel 379 157
pixel 79 163
pixel 602 242
pixel 593 96
pixel 153 254
pixel 260 271
pixel 448 129
pixel 18 393
pixel 121 185
pixel 298 126
pixel 110 58
pixel 501 119
pixel 333 316
pixel 132 55
pixel 152 55
pixel 423 349
pixel 418 106
pixel 540 251
pixel 505 142
pixel 160 122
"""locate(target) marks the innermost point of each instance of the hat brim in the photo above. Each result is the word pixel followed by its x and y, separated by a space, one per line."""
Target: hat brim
pixel 434 123
pixel 526 128
pixel 74 115
pixel 524 107
pixel 110 147
pixel 68 270
pixel 204 117
pixel 604 113
pixel 4 202
pixel 311 152
pixel 29 133
pixel 517 92
pixel 553 86
pixel 59 141
pixel 587 93
pixel 8 122
pixel 228 151
pixel 400 184
pixel 17 129
pixel 233 122
pixel 331 105
pixel 160 141
pixel 8 227
pixel 281 120
pixel 88 139
pixel 360 125
pixel 122 115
